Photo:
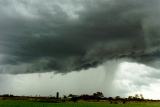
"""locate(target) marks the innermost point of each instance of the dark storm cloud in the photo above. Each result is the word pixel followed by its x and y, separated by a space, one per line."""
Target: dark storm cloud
pixel 69 35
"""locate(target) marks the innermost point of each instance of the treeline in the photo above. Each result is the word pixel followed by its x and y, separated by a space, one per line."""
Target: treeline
pixel 98 96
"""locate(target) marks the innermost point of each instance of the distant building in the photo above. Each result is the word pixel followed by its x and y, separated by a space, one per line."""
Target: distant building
pixel 57 95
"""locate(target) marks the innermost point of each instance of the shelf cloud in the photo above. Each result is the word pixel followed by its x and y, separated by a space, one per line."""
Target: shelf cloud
pixel 72 35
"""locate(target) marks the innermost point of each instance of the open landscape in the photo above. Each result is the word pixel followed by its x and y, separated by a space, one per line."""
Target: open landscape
pixel 79 53
pixel 76 101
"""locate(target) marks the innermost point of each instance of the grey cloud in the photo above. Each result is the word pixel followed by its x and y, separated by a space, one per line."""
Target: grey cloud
pixel 42 36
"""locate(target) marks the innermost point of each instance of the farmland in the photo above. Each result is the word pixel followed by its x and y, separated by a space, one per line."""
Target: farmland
pixel 25 103
pixel 95 100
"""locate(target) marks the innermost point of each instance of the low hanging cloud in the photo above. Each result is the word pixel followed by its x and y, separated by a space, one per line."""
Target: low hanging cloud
pixel 71 35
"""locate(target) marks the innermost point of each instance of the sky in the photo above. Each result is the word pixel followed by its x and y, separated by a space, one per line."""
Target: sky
pixel 80 46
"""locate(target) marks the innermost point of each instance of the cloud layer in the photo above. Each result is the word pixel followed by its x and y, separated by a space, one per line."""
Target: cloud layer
pixel 71 35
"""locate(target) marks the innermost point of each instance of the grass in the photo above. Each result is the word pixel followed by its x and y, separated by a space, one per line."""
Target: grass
pixel 12 103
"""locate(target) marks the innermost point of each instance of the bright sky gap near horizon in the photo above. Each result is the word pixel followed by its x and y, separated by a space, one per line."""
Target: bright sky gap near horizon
pixel 80 46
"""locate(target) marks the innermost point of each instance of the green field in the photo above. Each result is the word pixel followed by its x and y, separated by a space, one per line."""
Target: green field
pixel 10 103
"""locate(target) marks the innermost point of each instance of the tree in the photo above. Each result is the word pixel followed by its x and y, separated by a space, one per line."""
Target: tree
pixel 130 97
pixel 136 96
pixel 117 97
pixel 98 95
pixel 141 96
